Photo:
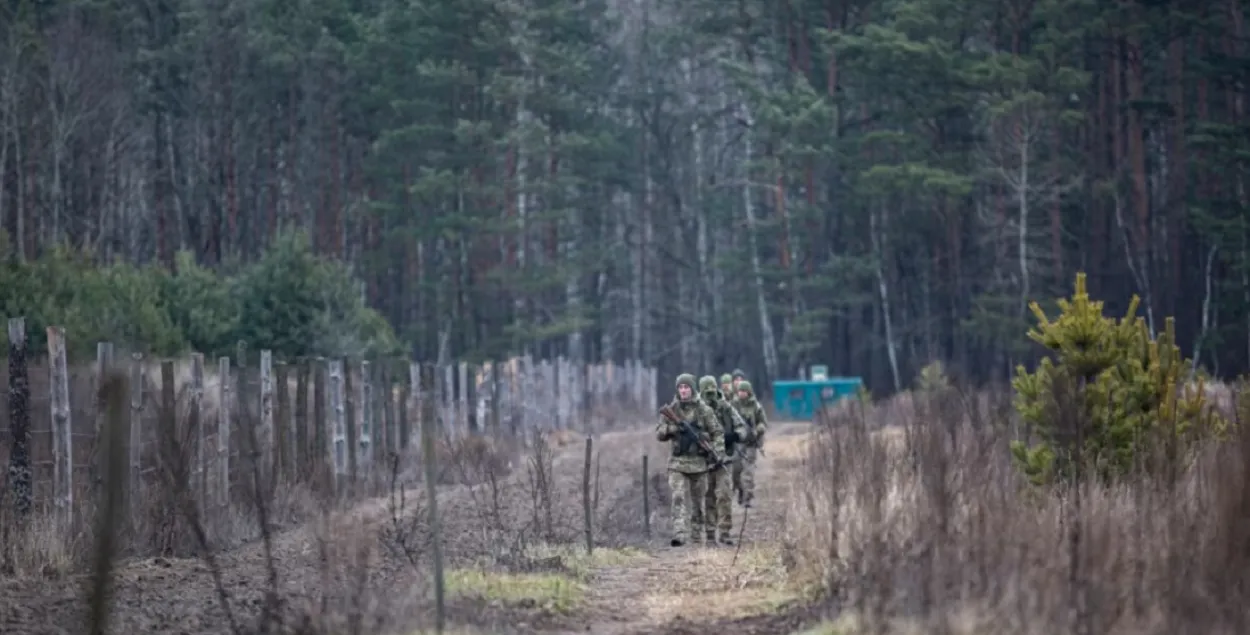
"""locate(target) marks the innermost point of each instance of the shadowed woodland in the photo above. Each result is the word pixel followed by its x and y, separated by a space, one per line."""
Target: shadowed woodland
pixel 869 185
pixel 897 189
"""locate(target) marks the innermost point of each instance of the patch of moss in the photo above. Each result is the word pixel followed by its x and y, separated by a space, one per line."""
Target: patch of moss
pixel 579 564
pixel 553 592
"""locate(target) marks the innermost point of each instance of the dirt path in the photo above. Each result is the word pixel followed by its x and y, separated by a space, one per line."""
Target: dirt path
pixel 698 589
pixel 694 590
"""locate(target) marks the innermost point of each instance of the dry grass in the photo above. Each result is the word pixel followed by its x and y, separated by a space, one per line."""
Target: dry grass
pixel 299 561
pixel 911 518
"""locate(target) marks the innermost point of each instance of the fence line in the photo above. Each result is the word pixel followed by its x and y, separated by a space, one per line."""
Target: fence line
pixel 325 422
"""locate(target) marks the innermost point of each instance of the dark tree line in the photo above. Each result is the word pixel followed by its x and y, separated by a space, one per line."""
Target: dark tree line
pixel 700 184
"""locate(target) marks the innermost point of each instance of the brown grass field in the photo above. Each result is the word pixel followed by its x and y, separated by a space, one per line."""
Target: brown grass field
pixel 906 517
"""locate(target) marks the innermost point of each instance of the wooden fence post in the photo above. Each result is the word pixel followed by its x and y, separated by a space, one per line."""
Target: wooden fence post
pixel 446 397
pixel 225 388
pixel 303 451
pixel 112 396
pixel 337 422
pixel 431 491
pixel 135 442
pixel 167 436
pixel 284 437
pixel 586 517
pixel 266 447
pixel 462 397
pixel 388 407
pixel 414 404
pixel 62 429
pixel 557 394
pixel 322 428
pixel 364 436
pixel 407 392
pixel 195 423
pixel 19 419
pixel 103 362
pixel 103 365
pixel 492 378
pixel 351 438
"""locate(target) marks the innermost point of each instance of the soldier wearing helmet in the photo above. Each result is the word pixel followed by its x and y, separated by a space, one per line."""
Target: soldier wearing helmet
pixel 751 445
pixel 717 514
pixel 688 465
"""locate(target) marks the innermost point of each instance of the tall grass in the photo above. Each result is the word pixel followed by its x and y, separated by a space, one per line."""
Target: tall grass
pixel 909 516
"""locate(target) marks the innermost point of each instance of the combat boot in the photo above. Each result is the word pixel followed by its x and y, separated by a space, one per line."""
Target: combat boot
pixel 726 540
pixel 709 538
pixel 676 542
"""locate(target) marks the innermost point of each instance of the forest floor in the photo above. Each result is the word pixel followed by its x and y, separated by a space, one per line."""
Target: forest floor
pixel 343 573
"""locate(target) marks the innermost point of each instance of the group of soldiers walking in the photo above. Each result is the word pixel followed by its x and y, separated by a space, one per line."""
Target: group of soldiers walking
pixel 716 432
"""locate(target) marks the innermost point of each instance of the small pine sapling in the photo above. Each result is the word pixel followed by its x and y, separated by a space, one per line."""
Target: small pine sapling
pixel 1110 381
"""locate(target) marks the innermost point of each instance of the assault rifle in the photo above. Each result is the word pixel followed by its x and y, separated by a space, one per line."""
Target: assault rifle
pixel 688 436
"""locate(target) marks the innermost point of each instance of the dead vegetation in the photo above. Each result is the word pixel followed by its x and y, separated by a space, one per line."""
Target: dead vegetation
pixel 281 559
pixel 910 517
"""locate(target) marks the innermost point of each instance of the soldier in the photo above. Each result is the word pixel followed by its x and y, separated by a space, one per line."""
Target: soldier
pixel 727 386
pixel 752 444
pixel 689 461
pixel 738 377
pixel 718 505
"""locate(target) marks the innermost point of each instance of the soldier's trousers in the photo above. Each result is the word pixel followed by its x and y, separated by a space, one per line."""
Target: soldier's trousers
pixel 688 491
pixel 718 505
pixel 744 474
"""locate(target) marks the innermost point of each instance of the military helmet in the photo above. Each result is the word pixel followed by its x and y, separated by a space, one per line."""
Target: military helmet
pixel 707 384
pixel 687 379
pixel 726 379
pixel 739 374
pixel 746 385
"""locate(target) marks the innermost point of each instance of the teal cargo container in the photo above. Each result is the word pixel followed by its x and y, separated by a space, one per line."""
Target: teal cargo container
pixel 800 399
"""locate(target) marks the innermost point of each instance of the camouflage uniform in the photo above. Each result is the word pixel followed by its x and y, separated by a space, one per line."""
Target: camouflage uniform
pixel 738 377
pixel 727 386
pixel 718 505
pixel 757 424
pixel 687 473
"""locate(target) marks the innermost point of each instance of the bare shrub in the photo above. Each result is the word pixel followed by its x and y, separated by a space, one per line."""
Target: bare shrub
pixel 912 512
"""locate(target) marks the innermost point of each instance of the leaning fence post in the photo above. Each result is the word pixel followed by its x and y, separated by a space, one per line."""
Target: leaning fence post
pixel 19 418
pixel 62 430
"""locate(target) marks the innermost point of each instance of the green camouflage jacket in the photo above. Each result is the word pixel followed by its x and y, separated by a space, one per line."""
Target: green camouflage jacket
pixel 757 422
pixel 730 423
pixel 705 422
